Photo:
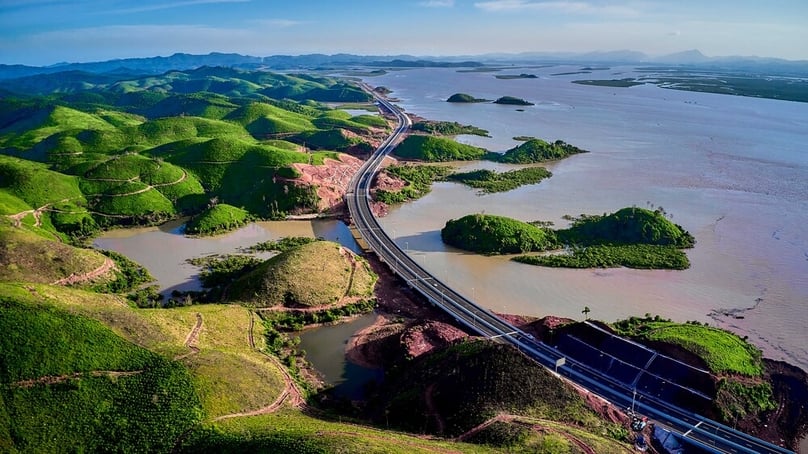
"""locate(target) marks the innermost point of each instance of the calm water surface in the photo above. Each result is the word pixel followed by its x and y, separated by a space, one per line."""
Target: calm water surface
pixel 325 350
pixel 732 170
pixel 164 250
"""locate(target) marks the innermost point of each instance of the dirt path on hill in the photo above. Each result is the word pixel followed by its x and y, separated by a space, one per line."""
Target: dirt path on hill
pixel 535 424
pixel 291 393
pixel 54 379
pixel 432 410
pixel 106 267
pixel 192 339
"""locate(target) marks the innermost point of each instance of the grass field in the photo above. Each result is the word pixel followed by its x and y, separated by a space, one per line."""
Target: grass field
pixel 294 432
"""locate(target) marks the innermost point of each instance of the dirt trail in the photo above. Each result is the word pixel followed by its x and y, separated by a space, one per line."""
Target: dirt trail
pixel 106 267
pixel 53 379
pixel 192 339
pixel 433 411
pixel 535 424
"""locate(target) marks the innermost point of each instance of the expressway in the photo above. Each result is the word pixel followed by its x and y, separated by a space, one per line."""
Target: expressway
pixel 703 433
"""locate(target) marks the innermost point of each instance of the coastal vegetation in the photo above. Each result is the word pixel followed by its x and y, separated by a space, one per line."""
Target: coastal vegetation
pixel 490 181
pixel 490 234
pixel 631 237
pixel 437 149
pixel 537 150
pixel 616 83
pixel 417 178
pixel 511 100
pixel 448 128
pixel 465 98
pixel 217 219
pixel 516 76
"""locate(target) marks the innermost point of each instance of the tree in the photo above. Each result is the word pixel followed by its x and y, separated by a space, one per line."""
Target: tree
pixel 586 312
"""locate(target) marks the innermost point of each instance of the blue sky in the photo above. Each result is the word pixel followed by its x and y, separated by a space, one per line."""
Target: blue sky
pixel 42 32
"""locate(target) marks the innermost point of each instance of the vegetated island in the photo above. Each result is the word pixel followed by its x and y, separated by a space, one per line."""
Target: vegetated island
pixel 631 237
pixel 512 100
pixel 617 83
pixel 516 76
pixel 398 183
pixel 227 377
pixel 447 128
pixel 489 181
pixel 465 98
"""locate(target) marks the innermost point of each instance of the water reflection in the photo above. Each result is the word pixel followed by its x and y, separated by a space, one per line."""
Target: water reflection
pixel 325 350
pixel 163 250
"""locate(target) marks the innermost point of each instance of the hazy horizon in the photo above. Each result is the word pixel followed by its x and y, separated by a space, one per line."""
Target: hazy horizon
pixel 45 32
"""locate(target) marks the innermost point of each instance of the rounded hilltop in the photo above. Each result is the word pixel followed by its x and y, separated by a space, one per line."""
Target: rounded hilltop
pixel 464 98
pixel 311 275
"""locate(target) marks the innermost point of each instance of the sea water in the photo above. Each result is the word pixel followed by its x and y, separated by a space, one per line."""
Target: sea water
pixel 731 170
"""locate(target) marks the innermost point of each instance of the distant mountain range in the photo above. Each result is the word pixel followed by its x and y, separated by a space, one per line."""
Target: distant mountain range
pixel 181 61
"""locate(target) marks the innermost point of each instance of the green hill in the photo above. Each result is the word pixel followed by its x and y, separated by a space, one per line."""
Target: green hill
pixel 627 226
pixel 70 383
pixel 455 389
pixel 489 234
pixel 537 150
pixel 512 101
pixel 28 257
pixel 463 97
pixel 330 271
pixel 437 149
pixel 217 219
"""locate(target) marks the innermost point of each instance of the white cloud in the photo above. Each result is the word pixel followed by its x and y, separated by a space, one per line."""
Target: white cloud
pixel 558 6
pixel 437 3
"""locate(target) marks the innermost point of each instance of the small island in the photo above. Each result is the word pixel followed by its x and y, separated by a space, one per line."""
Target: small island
pixel 448 128
pixel 464 98
pixel 514 101
pixel 516 76
pixel 489 181
pixel 218 218
pixel 537 150
pixel 631 237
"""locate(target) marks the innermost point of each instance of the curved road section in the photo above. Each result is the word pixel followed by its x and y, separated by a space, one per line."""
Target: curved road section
pixel 695 430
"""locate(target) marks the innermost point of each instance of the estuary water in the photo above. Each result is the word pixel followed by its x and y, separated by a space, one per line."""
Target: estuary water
pixel 731 170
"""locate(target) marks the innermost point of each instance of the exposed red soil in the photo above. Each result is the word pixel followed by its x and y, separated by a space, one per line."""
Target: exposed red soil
pixel 331 180
pixel 426 337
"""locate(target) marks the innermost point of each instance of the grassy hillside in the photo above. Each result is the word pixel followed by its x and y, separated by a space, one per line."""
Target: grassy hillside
pixel 148 148
pixel 330 271
pixel 489 234
pixel 26 256
pixel 455 389
pixel 71 365
pixel 437 149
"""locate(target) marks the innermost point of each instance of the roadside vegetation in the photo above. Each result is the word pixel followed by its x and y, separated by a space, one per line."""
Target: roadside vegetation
pixel 741 389
pixel 437 149
pixel 418 180
pixel 448 128
pixel 466 384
